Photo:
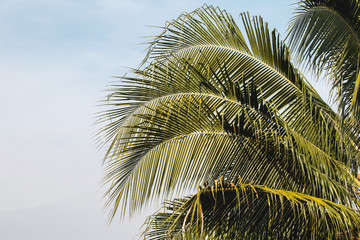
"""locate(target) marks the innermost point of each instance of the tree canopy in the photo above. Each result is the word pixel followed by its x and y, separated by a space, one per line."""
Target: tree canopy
pixel 220 111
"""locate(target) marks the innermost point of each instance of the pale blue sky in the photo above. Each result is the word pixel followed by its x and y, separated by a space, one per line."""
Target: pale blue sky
pixel 56 58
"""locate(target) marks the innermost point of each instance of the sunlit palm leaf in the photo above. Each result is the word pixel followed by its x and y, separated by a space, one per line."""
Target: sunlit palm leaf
pixel 183 142
pixel 251 212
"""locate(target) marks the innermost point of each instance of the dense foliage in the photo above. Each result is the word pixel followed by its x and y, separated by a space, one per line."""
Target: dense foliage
pixel 226 109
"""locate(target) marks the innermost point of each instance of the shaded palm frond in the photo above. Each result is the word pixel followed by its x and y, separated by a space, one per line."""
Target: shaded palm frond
pixel 328 34
pixel 226 210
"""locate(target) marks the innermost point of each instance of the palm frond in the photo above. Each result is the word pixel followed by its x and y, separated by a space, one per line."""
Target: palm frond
pixel 328 34
pixel 226 210
pixel 169 147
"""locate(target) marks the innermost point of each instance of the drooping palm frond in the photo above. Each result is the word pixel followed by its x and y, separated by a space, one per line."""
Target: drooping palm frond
pixel 211 105
pixel 251 212
pixel 181 141
pixel 327 32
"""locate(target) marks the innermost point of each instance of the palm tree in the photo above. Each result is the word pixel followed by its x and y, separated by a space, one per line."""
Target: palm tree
pixel 228 119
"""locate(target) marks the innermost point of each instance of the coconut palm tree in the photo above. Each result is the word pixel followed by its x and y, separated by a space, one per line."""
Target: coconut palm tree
pixel 227 118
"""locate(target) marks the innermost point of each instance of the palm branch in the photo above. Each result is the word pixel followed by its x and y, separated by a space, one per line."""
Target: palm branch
pixel 251 212
pixel 328 34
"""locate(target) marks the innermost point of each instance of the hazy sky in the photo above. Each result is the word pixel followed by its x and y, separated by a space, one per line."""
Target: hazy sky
pixel 56 58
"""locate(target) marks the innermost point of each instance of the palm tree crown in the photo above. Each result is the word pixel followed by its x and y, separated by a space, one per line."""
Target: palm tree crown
pixel 227 115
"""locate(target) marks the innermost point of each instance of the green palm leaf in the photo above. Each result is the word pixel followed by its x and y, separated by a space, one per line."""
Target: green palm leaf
pixel 328 34
pixel 251 212
pixel 165 148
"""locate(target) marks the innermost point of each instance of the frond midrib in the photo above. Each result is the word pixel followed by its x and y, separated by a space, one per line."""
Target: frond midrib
pixel 241 53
